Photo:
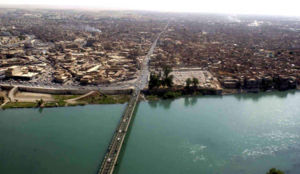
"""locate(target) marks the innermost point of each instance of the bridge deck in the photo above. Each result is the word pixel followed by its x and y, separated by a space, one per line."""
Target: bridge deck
pixel 113 151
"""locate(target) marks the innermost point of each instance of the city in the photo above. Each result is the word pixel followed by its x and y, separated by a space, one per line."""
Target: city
pixel 135 73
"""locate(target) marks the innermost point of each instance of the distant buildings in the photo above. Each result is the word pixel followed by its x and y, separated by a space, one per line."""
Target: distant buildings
pixel 54 47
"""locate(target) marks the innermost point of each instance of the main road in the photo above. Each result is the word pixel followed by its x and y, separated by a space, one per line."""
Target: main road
pixel 142 80
pixel 115 146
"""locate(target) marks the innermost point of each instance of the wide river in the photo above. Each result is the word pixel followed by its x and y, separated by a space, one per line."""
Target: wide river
pixel 56 140
pixel 235 134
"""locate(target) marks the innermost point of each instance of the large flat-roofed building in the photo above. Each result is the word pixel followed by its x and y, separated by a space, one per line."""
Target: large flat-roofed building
pixel 16 72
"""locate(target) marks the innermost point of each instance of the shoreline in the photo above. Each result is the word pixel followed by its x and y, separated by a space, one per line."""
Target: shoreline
pixel 64 97
pixel 22 97
pixel 18 105
pixel 226 92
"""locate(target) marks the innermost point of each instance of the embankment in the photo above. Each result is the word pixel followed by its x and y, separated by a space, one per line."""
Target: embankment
pixel 66 91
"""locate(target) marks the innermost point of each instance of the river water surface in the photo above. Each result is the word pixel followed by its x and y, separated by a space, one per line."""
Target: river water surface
pixel 235 134
pixel 56 140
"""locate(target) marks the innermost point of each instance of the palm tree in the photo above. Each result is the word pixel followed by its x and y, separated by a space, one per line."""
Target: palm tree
pixel 167 70
pixel 1 99
pixel 154 81
pixel 195 82
pixel 167 79
pixel 40 102
pixel 188 83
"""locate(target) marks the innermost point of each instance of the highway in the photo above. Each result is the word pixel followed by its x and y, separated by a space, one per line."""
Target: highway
pixel 142 81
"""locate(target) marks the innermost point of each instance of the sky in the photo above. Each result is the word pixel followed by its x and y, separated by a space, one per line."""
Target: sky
pixel 265 7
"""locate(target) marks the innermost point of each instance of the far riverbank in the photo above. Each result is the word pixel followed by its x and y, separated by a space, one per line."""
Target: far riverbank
pixel 30 97
pixel 174 93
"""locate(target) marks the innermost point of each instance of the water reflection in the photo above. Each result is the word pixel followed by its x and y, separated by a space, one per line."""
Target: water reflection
pixel 257 96
pixel 153 104
pixel 190 101
pixel 166 104
pixel 41 110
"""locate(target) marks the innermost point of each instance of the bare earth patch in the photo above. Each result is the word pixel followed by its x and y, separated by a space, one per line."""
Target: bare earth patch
pixel 33 97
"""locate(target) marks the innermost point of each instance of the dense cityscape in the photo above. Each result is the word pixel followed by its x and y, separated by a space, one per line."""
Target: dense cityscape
pixel 67 47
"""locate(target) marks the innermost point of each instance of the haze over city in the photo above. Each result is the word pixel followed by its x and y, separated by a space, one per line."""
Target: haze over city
pixel 257 7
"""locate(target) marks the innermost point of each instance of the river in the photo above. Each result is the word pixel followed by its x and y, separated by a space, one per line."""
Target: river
pixel 234 134
pixel 56 140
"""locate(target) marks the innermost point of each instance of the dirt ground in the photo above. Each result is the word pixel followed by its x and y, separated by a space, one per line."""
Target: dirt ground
pixel 206 79
pixel 4 94
pixel 33 97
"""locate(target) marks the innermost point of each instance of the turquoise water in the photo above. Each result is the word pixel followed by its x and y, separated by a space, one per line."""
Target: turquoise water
pixel 56 140
pixel 236 134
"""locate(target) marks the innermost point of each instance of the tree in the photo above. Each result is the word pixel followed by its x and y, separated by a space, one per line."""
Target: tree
pixel 167 78
pixel 40 102
pixel 188 83
pixel 275 171
pixel 22 37
pixel 195 82
pixel 167 70
pixel 1 99
pixel 154 81
pixel 169 81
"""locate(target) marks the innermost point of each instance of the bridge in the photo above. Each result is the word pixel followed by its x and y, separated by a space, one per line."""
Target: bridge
pixel 117 141
pixel 113 151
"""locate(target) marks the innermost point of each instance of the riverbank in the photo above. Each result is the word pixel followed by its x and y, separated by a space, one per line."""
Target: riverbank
pixel 29 97
pixel 175 93
pixel 67 100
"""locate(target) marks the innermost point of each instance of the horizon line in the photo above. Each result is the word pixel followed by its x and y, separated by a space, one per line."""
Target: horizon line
pixel 90 8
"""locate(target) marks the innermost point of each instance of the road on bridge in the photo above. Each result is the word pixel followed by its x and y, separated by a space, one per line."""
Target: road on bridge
pixel 113 151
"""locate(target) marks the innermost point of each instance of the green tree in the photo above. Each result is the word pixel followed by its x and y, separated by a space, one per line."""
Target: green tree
pixel 167 70
pixel 22 37
pixel 154 81
pixel 40 102
pixel 167 79
pixel 1 99
pixel 188 83
pixel 275 171
pixel 195 82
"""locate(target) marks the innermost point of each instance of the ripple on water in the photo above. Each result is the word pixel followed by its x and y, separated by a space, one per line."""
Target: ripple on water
pixel 271 143
pixel 196 150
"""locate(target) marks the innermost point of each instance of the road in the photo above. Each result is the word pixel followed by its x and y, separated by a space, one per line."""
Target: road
pixel 113 151
pixel 142 81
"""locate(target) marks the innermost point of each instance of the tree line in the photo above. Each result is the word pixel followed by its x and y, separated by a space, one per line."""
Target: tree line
pixel 164 79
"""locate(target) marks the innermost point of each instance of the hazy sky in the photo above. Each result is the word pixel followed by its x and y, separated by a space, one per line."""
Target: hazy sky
pixel 271 7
